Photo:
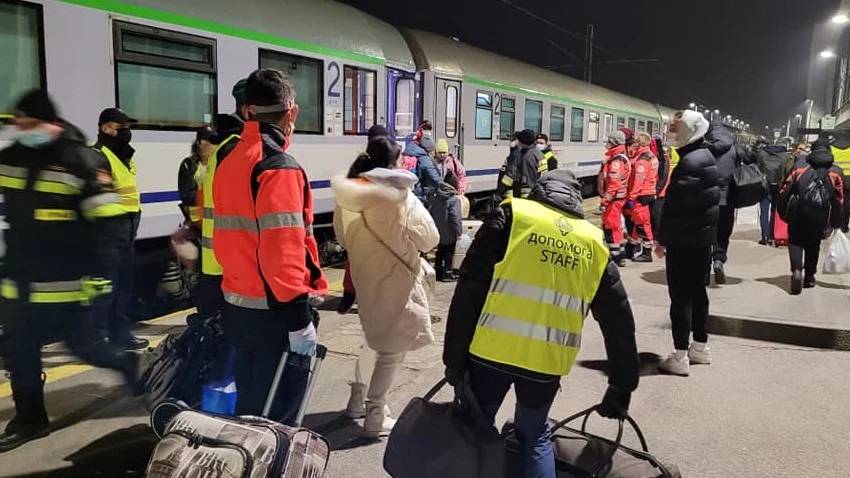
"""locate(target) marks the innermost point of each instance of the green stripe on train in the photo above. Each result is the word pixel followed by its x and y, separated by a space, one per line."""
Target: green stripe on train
pixel 220 28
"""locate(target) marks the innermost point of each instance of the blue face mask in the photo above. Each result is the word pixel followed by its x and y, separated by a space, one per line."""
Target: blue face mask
pixel 34 138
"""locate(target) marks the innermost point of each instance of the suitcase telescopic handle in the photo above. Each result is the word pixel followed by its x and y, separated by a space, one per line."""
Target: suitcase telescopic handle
pixel 321 352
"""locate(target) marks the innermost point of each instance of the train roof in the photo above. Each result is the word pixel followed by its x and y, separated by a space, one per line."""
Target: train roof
pixel 318 26
pixel 447 57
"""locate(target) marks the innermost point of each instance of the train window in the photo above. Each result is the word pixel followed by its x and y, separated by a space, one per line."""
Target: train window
pixel 650 127
pixel 484 115
pixel 451 111
pixel 165 79
pixel 593 127
pixel 360 100
pixel 632 122
pixel 404 104
pixel 621 122
pixel 534 115
pixel 577 125
pixel 22 46
pixel 642 126
pixel 507 111
pixel 307 74
pixel 607 124
pixel 557 118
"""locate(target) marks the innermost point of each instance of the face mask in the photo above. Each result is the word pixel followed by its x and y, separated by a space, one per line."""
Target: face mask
pixel 34 138
pixel 426 134
pixel 124 136
pixel 541 147
pixel 513 144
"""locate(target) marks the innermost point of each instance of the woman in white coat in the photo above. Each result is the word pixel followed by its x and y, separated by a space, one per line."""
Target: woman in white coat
pixel 385 229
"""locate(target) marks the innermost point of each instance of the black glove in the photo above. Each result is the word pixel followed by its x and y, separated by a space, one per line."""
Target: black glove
pixel 453 376
pixel 615 404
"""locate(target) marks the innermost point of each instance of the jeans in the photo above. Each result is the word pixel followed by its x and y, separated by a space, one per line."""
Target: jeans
pixel 811 252
pixel 724 233
pixel 686 271
pixel 534 399
pixel 261 337
pixel 766 219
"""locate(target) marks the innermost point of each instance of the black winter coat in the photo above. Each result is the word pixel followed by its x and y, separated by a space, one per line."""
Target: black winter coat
pixel 610 307
pixel 808 231
pixel 524 172
pixel 729 155
pixel 691 209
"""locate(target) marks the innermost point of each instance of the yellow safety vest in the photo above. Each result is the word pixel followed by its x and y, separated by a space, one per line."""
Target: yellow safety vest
pixel 209 264
pixel 124 181
pixel 842 159
pixel 674 158
pixel 541 291
pixel 543 166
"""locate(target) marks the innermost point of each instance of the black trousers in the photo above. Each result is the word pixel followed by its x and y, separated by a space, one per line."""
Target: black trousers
pixel 724 232
pixel 261 337
pixel 655 214
pixel 445 258
pixel 209 299
pixel 804 257
pixel 27 327
pixel 686 271
pixel 112 312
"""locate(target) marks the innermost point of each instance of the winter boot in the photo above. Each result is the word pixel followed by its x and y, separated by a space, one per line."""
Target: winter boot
pixel 378 422
pixel 719 273
pixel 809 282
pixel 357 401
pixel 796 282
pixel 630 250
pixel 645 255
pixel 346 303
pixel 30 422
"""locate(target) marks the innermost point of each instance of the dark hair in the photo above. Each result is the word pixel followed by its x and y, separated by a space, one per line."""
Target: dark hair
pixel 543 137
pixel 269 87
pixel 425 125
pixel 381 152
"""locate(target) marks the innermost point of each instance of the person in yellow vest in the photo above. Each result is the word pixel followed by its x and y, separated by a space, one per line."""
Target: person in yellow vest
pixel 209 299
pixel 534 271
pixel 191 174
pixel 841 152
pixel 550 161
pixel 112 314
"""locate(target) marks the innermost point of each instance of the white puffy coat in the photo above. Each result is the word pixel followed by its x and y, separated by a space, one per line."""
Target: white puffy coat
pixel 392 297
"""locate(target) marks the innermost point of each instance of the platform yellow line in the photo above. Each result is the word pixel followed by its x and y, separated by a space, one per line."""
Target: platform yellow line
pixel 65 371
pixel 335 286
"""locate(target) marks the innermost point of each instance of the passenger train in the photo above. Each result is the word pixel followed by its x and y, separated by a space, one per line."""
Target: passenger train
pixel 172 64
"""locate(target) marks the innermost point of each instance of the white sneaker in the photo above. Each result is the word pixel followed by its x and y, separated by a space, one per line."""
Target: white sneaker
pixel 699 354
pixel 378 422
pixel 676 365
pixel 357 401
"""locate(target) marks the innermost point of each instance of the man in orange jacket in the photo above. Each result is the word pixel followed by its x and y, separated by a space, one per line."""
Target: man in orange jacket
pixel 642 195
pixel 265 245
pixel 613 187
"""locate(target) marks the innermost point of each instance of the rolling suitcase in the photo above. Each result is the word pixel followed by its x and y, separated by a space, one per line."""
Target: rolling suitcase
pixel 780 231
pixel 579 454
pixel 195 443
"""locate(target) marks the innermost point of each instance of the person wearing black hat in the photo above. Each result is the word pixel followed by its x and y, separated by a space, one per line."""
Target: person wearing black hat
pixel 520 177
pixel 60 206
pixel 190 175
pixel 112 315
pixel 208 296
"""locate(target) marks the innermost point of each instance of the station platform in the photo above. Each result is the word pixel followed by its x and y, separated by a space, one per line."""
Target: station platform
pixel 762 409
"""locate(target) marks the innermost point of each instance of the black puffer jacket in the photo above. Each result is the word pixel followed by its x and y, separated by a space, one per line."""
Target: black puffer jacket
pixel 610 307
pixel 729 155
pixel 691 210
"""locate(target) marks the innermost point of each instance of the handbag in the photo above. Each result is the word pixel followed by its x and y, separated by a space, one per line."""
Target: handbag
pixel 448 440
pixel 748 186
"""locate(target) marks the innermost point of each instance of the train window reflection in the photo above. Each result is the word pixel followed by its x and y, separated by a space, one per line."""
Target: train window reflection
pixel 307 76
pixel 359 99
pixel 451 111
pixel 21 52
pixel 484 115
pixel 557 120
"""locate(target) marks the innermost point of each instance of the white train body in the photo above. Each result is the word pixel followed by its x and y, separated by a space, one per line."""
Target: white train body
pixel 356 70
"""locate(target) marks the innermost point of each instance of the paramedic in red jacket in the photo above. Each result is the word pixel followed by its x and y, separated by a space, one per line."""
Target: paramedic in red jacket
pixel 643 180
pixel 269 257
pixel 613 187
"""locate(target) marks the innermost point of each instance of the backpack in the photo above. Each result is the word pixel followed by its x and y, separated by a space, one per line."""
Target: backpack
pixel 410 163
pixel 814 202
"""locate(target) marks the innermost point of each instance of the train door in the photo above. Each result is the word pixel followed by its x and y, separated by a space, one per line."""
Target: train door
pixel 403 105
pixel 447 122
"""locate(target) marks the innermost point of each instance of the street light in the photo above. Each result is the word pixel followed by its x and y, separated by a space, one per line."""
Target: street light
pixel 840 18
pixel 827 54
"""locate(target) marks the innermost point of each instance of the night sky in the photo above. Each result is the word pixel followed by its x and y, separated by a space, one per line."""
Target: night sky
pixel 748 58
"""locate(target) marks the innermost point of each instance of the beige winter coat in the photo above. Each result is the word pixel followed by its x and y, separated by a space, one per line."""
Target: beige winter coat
pixel 381 223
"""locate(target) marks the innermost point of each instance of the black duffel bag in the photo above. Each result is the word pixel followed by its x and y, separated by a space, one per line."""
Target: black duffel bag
pixel 747 187
pixel 445 440
pixel 579 454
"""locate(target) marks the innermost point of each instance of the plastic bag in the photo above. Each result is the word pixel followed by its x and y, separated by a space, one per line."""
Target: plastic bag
pixel 464 242
pixel 838 255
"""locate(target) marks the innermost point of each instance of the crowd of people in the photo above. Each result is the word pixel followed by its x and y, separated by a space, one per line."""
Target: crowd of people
pixel 534 271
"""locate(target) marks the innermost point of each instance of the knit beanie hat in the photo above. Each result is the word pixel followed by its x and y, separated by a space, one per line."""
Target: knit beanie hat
pixel 616 138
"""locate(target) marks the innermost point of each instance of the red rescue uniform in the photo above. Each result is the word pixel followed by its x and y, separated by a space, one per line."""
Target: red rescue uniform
pixel 614 189
pixel 264 225
pixel 642 188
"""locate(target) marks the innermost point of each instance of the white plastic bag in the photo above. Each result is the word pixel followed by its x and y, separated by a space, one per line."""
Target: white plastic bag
pixel 838 255
pixel 464 242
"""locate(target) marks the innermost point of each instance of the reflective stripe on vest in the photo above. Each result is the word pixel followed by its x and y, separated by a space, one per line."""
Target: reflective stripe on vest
pixel 194 213
pixel 674 158
pixel 541 291
pixel 543 166
pixel 842 159
pixel 209 264
pixel 59 292
pixel 124 181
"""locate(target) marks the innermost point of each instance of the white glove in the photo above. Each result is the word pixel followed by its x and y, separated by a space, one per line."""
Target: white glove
pixel 303 342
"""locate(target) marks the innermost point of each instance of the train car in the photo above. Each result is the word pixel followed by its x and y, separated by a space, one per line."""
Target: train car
pixel 172 65
pixel 477 99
